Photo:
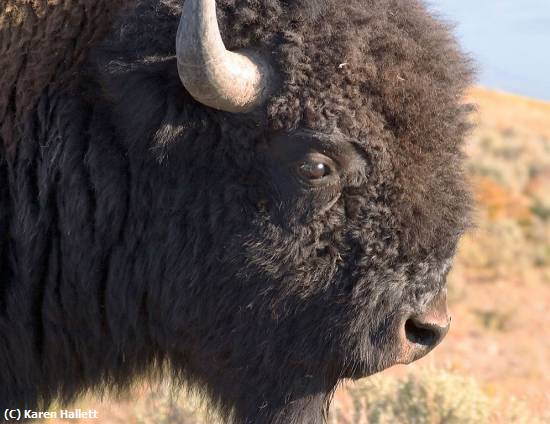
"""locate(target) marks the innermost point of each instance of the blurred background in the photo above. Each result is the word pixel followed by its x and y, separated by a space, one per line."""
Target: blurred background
pixel 494 366
pixel 509 39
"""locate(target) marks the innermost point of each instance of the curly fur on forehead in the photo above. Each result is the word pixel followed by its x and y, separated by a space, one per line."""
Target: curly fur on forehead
pixel 383 72
pixel 359 65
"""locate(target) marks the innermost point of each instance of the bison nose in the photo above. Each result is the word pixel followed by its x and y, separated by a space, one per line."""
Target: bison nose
pixel 425 333
pixel 424 330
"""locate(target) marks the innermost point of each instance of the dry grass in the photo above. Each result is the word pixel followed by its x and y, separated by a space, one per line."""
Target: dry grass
pixel 431 397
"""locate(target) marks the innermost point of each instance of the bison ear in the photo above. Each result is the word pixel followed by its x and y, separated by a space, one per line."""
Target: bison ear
pixel 231 81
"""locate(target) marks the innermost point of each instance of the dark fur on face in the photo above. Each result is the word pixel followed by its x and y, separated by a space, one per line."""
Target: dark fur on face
pixel 139 227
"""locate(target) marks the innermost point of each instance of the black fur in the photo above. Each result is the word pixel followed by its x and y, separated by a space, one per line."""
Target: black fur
pixel 139 228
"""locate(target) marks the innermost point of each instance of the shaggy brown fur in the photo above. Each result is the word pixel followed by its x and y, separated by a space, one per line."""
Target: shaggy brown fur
pixel 42 43
pixel 138 227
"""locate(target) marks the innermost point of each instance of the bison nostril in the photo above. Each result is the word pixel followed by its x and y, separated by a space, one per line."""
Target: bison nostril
pixel 424 333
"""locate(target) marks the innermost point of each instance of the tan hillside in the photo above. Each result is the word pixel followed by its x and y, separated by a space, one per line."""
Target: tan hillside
pixel 504 111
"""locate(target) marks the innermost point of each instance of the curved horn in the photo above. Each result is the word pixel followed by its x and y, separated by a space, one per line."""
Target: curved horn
pixel 231 81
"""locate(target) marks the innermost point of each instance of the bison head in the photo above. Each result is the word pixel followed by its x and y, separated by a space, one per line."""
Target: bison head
pixel 304 191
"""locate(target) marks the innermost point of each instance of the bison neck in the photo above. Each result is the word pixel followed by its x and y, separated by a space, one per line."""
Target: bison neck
pixel 79 251
pixel 109 264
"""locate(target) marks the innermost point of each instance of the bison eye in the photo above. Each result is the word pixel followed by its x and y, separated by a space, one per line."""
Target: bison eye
pixel 314 170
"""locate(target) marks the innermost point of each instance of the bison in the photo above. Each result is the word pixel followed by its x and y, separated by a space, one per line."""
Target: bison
pixel 262 196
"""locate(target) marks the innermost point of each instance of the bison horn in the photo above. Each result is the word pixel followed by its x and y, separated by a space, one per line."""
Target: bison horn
pixel 231 81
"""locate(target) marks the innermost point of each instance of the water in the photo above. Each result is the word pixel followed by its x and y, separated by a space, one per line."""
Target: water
pixel 509 40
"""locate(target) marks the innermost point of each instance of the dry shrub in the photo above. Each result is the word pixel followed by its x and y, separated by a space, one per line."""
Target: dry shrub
pixel 433 397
